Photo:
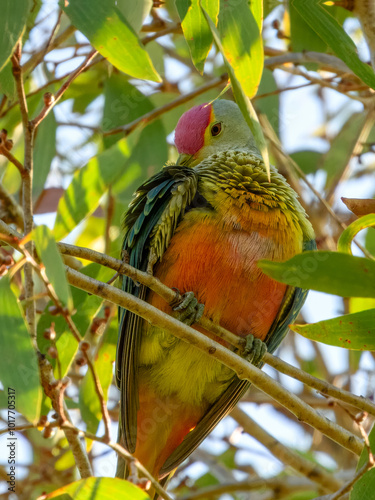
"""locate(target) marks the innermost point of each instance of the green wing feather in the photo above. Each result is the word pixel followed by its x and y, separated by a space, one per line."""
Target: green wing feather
pixel 149 223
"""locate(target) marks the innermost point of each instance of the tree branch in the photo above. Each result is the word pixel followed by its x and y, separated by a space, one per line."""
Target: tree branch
pixel 241 367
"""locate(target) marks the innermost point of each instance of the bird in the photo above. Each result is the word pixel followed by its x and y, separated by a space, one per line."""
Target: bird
pixel 200 225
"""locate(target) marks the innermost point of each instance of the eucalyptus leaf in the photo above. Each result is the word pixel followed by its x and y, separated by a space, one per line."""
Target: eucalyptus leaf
pixel 99 488
pixel 243 101
pixel 318 17
pixel 352 331
pixel 88 186
pixel 19 372
pixel 14 14
pixel 111 34
pixel 329 272
pixel 194 26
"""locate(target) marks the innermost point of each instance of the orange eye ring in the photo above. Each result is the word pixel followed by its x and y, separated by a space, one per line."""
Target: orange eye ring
pixel 216 129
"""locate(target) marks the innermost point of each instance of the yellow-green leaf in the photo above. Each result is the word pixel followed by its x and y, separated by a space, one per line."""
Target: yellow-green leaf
pixel 19 371
pixel 346 238
pixel 243 101
pixel 110 33
pixel 353 331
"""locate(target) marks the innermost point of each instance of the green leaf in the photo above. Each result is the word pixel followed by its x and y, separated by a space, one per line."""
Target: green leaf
pixel 13 18
pixel 44 152
pixel 88 186
pixel 243 101
pixel 353 331
pixel 110 33
pixel 302 36
pixel 330 31
pixel 345 241
pixel 194 26
pixel 335 161
pixel 363 489
pixel 7 84
pixel 134 12
pixel 86 307
pixel 242 42
pixel 329 272
pixel 268 105
pixel 46 248
pixel 19 366
pixel 89 403
pixel 307 160
pixel 99 488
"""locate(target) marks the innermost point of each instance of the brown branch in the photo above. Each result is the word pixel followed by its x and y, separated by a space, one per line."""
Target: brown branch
pixel 241 367
pixel 123 453
pixel 5 152
pixel 52 389
pixel 100 394
pixel 51 101
pixel 27 187
pixel 173 28
pixel 169 295
pixel 155 113
pixel 311 470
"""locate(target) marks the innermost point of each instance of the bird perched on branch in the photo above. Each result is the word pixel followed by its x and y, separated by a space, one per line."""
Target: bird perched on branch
pixel 201 226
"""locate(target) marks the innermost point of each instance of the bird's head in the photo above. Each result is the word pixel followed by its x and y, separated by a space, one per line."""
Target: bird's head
pixel 210 129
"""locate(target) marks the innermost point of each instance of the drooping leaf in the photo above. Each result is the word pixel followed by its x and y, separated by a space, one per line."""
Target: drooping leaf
pixel 239 26
pixel 99 488
pixel 268 105
pixel 336 159
pixel 19 371
pixel 329 272
pixel 360 206
pixel 353 331
pixel 110 33
pixel 194 26
pixel 13 18
pixel 7 84
pixel 87 187
pixel 243 101
pixel 89 403
pixel 46 248
pixel 307 160
pixel 363 489
pixel 329 30
pixel 44 152
pixel 345 241
pixel 302 36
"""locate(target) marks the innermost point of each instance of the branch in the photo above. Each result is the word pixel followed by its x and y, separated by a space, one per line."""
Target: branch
pixel 52 390
pixel 51 101
pixel 11 207
pixel 155 113
pixel 169 295
pixel 241 367
pixel 311 470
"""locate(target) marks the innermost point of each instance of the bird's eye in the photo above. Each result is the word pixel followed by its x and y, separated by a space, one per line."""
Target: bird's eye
pixel 216 129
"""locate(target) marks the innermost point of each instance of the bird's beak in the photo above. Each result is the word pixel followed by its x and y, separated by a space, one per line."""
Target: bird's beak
pixel 184 159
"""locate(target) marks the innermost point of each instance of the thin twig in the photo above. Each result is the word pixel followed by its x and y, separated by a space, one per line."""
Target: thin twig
pixel 311 470
pixel 50 103
pixel 100 394
pixel 155 113
pixel 4 151
pixel 169 295
pixel 241 367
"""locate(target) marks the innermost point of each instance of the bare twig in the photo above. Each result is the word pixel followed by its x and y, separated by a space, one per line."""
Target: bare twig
pixel 241 367
pixel 100 394
pixel 169 295
pixel 155 113
pixel 51 100
pixel 311 470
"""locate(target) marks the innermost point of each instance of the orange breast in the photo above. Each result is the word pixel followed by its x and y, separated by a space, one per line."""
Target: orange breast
pixel 218 263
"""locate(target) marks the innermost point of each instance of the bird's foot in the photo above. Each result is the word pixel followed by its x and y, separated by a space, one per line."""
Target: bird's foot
pixel 254 350
pixel 186 308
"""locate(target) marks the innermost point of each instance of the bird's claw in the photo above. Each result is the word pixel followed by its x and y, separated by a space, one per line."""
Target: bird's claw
pixel 189 310
pixel 254 350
